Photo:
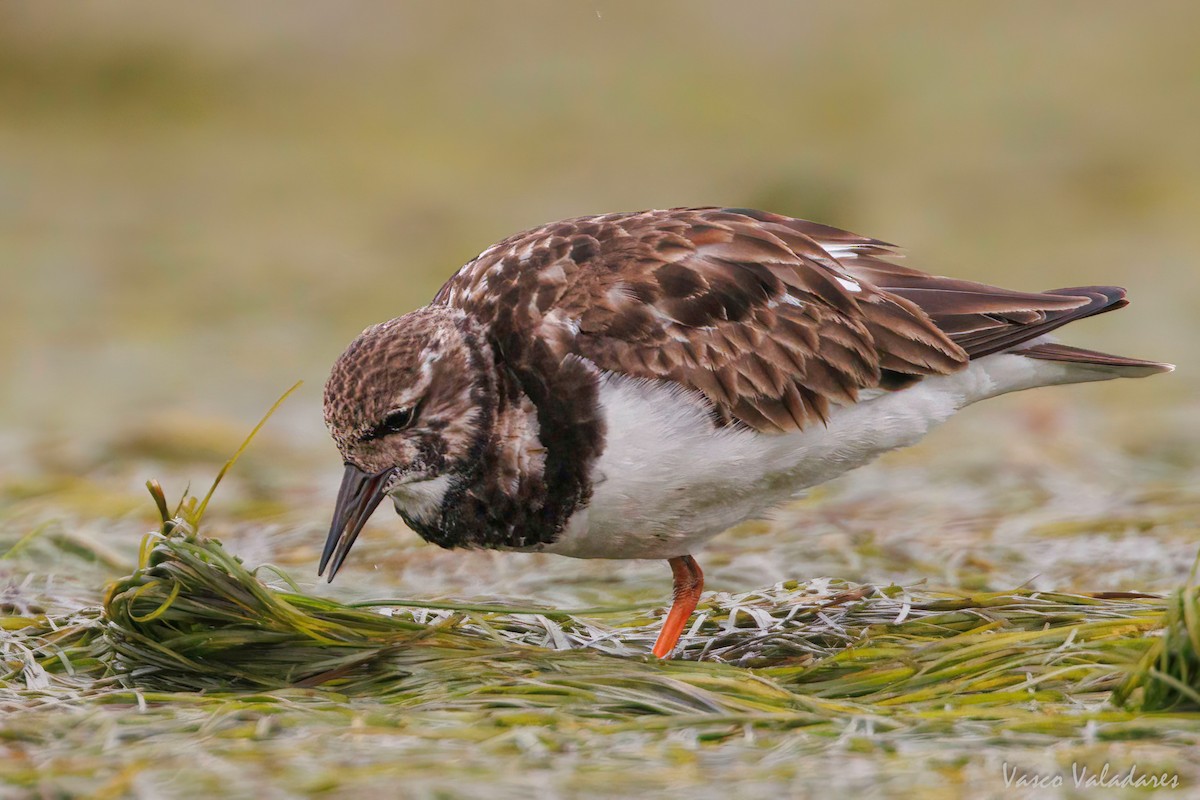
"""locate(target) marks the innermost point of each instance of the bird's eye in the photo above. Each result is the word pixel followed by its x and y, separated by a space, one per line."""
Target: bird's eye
pixel 394 422
pixel 398 420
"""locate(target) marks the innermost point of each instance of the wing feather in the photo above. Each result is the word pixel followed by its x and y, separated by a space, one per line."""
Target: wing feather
pixel 772 319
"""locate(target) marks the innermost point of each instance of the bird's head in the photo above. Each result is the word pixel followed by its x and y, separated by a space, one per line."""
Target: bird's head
pixel 407 406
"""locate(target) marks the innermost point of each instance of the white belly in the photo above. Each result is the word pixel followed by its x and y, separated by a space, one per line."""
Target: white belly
pixel 668 480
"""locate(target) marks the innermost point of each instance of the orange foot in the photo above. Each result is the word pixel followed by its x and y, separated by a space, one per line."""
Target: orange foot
pixel 689 583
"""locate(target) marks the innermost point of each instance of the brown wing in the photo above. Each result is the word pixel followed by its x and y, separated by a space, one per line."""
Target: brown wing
pixel 771 318
pixel 985 319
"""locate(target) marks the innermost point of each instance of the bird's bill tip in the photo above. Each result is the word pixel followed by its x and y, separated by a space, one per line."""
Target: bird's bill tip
pixel 360 494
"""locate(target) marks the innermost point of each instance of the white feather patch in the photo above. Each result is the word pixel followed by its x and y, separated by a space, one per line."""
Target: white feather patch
pixel 420 500
pixel 848 284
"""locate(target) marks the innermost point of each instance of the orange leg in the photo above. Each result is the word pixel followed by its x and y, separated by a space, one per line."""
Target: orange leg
pixel 689 583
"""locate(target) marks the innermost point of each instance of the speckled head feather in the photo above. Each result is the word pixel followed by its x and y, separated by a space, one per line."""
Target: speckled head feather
pixel 428 375
pixel 424 409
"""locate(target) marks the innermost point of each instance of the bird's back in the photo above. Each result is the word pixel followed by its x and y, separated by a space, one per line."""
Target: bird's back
pixel 772 319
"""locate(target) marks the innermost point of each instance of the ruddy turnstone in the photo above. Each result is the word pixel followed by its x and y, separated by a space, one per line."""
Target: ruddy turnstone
pixel 630 385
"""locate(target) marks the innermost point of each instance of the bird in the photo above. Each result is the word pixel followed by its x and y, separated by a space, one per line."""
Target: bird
pixel 630 385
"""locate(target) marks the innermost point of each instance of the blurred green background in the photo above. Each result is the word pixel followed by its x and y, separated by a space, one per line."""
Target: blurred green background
pixel 201 203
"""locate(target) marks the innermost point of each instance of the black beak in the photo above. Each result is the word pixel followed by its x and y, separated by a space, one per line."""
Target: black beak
pixel 358 498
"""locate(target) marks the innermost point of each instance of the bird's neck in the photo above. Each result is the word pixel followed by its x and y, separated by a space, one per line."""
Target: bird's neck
pixel 528 471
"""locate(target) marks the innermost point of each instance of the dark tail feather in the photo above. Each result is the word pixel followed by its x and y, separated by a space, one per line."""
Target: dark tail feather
pixel 984 319
pixel 1095 300
pixel 1103 298
pixel 1119 366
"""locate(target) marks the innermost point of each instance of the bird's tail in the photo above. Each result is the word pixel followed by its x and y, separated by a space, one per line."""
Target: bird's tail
pixel 1104 364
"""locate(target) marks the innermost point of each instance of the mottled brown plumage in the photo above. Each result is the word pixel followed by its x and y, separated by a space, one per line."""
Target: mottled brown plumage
pixel 749 308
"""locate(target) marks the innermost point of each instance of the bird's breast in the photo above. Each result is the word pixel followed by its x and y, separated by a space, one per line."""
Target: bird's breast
pixel 669 478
